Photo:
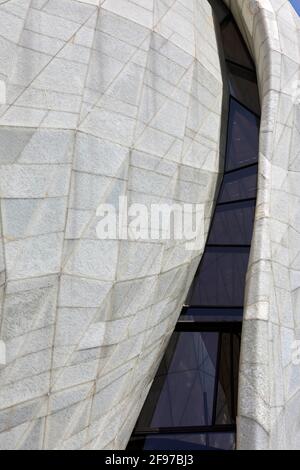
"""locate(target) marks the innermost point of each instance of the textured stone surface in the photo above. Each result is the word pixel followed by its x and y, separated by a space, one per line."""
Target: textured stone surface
pixel 117 97
pixel 105 98
pixel 269 380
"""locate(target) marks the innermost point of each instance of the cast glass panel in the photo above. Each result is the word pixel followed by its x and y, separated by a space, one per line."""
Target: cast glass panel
pixel 220 10
pixel 183 390
pixel 226 409
pixel 243 132
pixel 220 279
pixel 243 87
pixel 233 224
pixel 234 48
pixel 239 185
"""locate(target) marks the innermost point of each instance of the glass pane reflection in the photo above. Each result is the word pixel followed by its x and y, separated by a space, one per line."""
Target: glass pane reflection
pixel 233 224
pixel 243 133
pixel 243 87
pixel 220 10
pixel 184 385
pixel 234 47
pixel 240 184
pixel 220 279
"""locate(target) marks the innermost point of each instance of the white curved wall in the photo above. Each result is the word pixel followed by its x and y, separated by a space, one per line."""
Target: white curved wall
pixel 104 98
pixel 269 404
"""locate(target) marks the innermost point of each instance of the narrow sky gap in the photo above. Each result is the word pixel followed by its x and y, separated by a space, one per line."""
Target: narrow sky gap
pixel 296 5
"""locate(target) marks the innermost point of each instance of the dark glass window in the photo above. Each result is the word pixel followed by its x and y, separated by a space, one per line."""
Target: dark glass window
pixel 184 385
pixel 233 224
pixel 229 355
pixel 243 87
pixel 220 10
pixel 239 185
pixel 192 401
pixel 234 47
pixel 220 280
pixel 243 132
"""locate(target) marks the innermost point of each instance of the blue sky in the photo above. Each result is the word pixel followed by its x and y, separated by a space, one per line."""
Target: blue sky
pixel 296 5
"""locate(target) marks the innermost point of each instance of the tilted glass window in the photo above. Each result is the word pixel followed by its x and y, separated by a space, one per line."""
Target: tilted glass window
pixel 243 87
pixel 192 401
pixel 220 280
pixel 239 185
pixel 243 132
pixel 183 389
pixel 234 47
pixel 233 224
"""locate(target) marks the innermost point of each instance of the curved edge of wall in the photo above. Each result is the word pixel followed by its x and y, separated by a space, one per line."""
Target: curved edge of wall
pixel 269 389
pixel 105 309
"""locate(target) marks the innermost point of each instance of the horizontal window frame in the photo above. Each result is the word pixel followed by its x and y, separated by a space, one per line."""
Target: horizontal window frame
pixel 213 429
pixel 236 201
pixel 243 167
pixel 216 322
pixel 242 72
pixel 192 326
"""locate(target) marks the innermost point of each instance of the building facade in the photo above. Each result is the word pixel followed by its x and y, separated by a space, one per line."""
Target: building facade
pixel 162 102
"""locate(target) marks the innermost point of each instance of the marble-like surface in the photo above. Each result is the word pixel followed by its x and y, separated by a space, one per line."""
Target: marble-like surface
pixel 117 97
pixel 104 98
pixel 269 395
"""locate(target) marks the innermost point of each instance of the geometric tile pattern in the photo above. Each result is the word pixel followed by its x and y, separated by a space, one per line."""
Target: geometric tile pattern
pixel 104 98
pixel 269 404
